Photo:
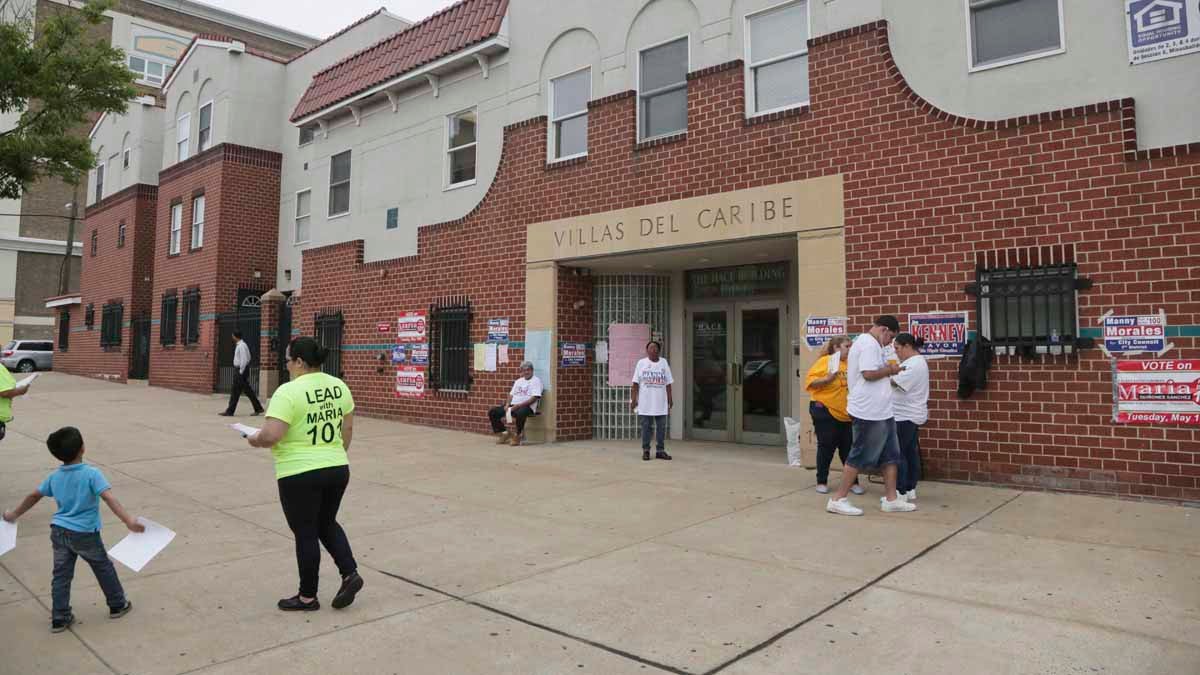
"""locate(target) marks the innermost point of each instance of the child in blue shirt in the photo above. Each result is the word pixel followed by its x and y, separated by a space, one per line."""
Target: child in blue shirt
pixel 75 528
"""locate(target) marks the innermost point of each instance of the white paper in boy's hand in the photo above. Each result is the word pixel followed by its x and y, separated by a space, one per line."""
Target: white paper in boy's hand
pixel 139 548
pixel 8 536
pixel 28 381
pixel 244 430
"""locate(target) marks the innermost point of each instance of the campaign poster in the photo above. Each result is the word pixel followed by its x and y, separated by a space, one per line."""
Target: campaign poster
pixel 418 354
pixel 626 346
pixel 398 354
pixel 1157 392
pixel 410 327
pixel 819 329
pixel 1161 29
pixel 945 333
pixel 497 330
pixel 410 382
pixel 574 354
pixel 1135 334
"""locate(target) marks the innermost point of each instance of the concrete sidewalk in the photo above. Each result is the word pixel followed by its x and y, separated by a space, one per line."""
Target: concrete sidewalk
pixel 582 558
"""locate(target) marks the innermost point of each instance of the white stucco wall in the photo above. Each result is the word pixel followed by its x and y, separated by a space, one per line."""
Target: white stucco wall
pixel 140 130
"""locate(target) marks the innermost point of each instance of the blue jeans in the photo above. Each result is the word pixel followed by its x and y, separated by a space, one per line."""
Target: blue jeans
pixel 874 445
pixel 69 545
pixel 659 424
pixel 910 448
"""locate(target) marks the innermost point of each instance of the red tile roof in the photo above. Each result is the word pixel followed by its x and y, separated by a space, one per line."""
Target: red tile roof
pixel 451 30
pixel 340 33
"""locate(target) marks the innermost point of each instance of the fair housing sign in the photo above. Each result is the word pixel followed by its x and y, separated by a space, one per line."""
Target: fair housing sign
pixel 1161 29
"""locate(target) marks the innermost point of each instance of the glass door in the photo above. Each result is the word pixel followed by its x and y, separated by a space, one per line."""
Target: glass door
pixel 758 373
pixel 709 402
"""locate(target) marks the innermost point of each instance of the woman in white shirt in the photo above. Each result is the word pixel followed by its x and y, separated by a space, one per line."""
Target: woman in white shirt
pixel 910 401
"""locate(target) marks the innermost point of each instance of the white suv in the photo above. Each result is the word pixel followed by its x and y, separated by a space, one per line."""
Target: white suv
pixel 27 356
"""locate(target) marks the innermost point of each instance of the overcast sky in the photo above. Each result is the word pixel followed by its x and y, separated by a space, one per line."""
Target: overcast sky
pixel 321 18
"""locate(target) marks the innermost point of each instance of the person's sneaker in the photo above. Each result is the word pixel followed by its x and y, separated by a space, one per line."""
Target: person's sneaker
pixel 645 455
pixel 896 506
pixel 256 413
pixel 503 438
pixel 59 625
pixel 858 489
pixel 225 414
pixel 911 495
pixel 842 507
pixel 118 613
pixel 662 454
pixel 822 489
pixel 295 604
pixel 515 440
pixel 351 585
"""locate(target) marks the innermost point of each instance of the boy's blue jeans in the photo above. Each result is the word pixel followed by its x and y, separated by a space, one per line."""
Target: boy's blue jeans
pixel 69 545
pixel 656 426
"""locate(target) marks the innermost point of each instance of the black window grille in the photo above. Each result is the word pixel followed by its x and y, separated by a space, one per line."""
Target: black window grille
pixel 64 330
pixel 170 319
pixel 89 316
pixel 1030 309
pixel 112 316
pixel 450 345
pixel 329 328
pixel 121 235
pixel 190 318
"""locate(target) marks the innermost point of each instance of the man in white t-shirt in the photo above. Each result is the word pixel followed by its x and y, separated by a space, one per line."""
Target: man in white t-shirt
pixel 653 399
pixel 875 443
pixel 910 398
pixel 522 403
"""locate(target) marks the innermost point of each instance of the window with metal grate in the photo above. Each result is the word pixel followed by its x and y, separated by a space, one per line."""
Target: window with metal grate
pixel 330 326
pixel 450 345
pixel 170 320
pixel 1030 309
pixel 111 318
pixel 190 318
pixel 64 331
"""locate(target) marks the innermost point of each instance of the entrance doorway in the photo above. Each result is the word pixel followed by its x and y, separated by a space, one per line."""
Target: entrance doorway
pixel 737 390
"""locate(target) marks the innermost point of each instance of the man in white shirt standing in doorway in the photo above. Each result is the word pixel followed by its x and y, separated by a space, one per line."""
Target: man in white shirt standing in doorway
pixel 653 399
pixel 875 443
pixel 241 363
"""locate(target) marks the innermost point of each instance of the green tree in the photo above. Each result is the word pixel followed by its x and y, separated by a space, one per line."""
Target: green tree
pixel 55 77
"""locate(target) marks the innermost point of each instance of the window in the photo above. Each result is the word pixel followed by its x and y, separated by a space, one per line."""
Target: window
pixel 329 327
pixel 197 222
pixel 662 90
pixel 569 96
pixel 95 239
pixel 125 159
pixel 460 148
pixel 204 135
pixel 1001 32
pixel 167 323
pixel 149 71
pixel 112 316
pixel 777 58
pixel 191 316
pixel 307 134
pixel 176 228
pixel 99 182
pixel 1029 309
pixel 182 131
pixel 64 330
pixel 303 211
pixel 121 235
pixel 450 345
pixel 89 316
pixel 339 184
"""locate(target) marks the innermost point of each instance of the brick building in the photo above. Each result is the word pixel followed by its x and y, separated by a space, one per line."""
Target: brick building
pixel 698 174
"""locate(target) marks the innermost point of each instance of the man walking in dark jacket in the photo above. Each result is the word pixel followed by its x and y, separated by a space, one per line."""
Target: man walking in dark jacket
pixel 241 362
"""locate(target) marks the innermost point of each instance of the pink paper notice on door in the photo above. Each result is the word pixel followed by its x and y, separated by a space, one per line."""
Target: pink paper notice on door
pixel 626 345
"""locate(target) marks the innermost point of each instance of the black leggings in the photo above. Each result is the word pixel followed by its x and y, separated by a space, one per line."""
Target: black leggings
pixel 832 434
pixel 310 503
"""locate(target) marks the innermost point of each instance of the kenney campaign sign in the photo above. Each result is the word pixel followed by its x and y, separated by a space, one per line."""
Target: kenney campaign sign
pixel 945 333
pixel 1157 392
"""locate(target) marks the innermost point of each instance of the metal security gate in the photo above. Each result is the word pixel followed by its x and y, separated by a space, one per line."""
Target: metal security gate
pixel 249 322
pixel 283 337
pixel 329 328
pixel 625 298
pixel 139 355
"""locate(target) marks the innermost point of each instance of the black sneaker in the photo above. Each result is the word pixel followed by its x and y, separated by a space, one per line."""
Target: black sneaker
pixel 295 604
pixel 662 454
pixel 225 414
pixel 645 455
pixel 118 613
pixel 351 585
pixel 59 625
pixel 256 413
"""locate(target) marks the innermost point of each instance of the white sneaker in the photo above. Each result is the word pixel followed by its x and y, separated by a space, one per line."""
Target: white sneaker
pixel 823 489
pixel 911 495
pixel 842 507
pixel 896 506
pixel 858 489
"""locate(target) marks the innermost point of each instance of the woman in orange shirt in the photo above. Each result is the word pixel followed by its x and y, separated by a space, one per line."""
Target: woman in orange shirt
pixel 826 383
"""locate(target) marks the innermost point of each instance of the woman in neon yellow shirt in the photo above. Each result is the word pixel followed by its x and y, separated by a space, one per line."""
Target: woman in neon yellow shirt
pixel 8 391
pixel 310 423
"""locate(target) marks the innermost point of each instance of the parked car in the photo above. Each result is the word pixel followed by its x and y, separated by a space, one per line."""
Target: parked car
pixel 27 356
